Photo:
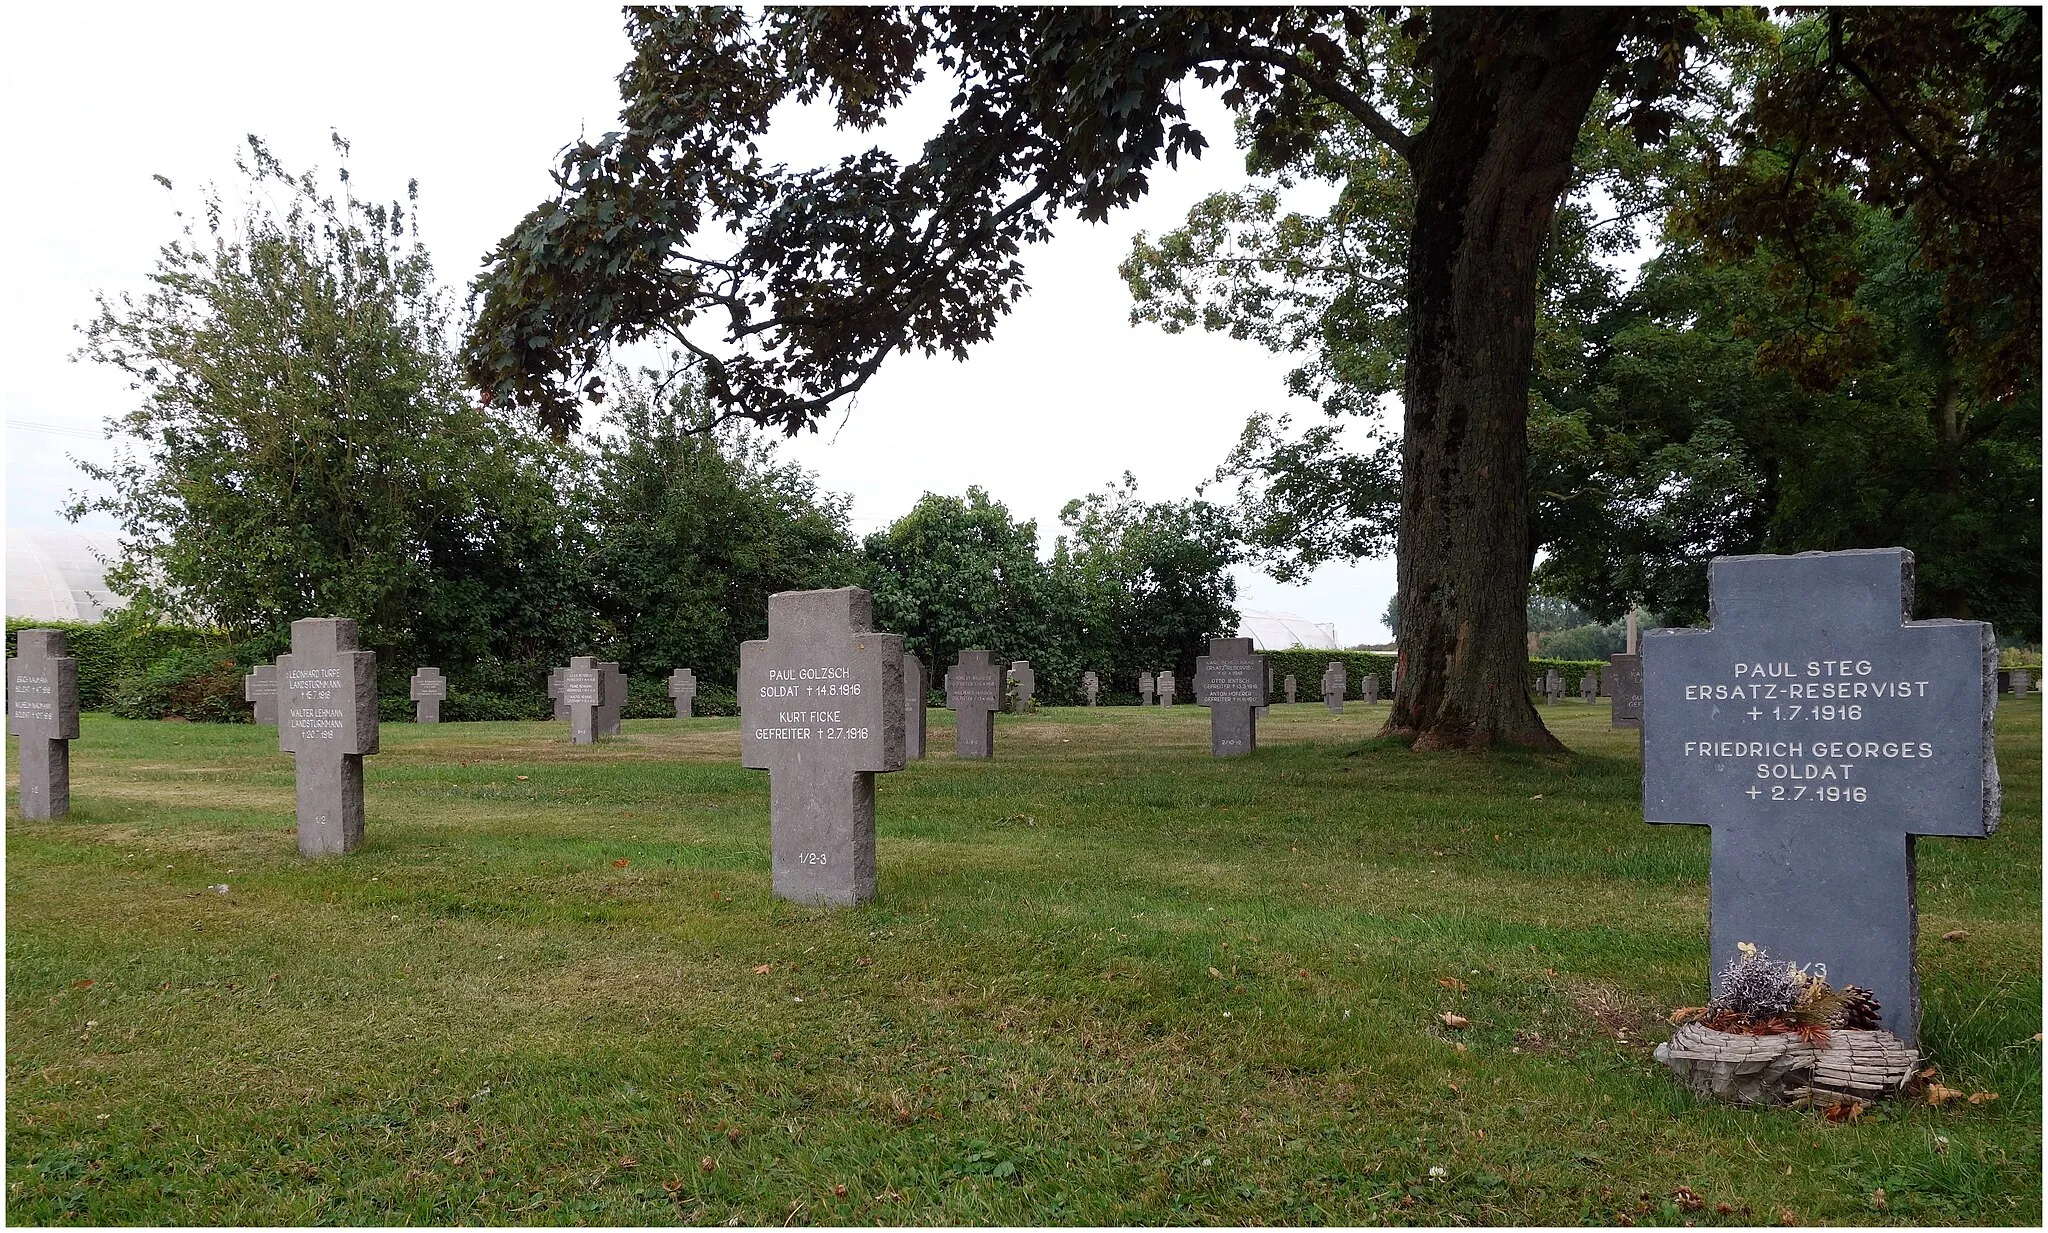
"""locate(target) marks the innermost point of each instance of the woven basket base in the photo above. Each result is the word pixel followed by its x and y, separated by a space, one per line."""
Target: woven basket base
pixel 1787 1070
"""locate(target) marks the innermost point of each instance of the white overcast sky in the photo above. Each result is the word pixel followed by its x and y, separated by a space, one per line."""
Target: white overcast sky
pixel 475 103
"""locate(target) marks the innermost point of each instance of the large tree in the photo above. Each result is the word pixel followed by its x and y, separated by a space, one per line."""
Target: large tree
pixel 790 287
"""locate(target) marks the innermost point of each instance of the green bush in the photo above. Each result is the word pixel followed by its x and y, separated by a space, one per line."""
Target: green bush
pixel 109 650
pixel 201 684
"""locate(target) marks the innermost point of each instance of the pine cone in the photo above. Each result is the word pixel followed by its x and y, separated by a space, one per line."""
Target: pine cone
pixel 1859 1012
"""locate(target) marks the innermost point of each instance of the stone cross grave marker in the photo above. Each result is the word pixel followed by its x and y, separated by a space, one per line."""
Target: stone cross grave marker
pixel 42 713
pixel 1166 687
pixel 1818 730
pixel 1091 685
pixel 915 686
pixel 1589 687
pixel 555 693
pixel 1553 686
pixel 429 687
pixel 259 689
pixel 682 686
pixel 613 711
pixel 1333 687
pixel 1625 678
pixel 974 692
pixel 1145 688
pixel 327 721
pixel 821 710
pixel 1231 681
pixel 1291 687
pixel 1027 685
pixel 582 695
pixel 1369 688
pixel 2022 681
pixel 1266 707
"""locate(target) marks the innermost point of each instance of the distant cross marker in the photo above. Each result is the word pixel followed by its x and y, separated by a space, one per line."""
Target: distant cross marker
pixel 327 720
pixel 1091 685
pixel 555 693
pixel 1333 687
pixel 429 687
pixel 915 686
pixel 1625 683
pixel 2022 681
pixel 42 714
pixel 584 683
pixel 974 692
pixel 613 711
pixel 1369 688
pixel 1026 682
pixel 1290 686
pixel 259 689
pixel 682 686
pixel 821 710
pixel 1231 681
pixel 1167 688
pixel 1876 729
pixel 1145 688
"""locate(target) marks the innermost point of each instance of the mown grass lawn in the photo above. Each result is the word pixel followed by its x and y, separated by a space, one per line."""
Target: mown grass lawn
pixel 1108 980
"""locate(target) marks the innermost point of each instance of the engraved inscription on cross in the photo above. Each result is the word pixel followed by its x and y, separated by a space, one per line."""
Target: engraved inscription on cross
pixel 1818 731
pixel 974 692
pixel 327 719
pixel 682 686
pixel 259 688
pixel 1164 683
pixel 821 710
pixel 555 699
pixel 428 689
pixel 582 695
pixel 1231 681
pixel 42 714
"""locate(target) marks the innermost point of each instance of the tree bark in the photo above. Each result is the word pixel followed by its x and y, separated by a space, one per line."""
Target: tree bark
pixel 1512 88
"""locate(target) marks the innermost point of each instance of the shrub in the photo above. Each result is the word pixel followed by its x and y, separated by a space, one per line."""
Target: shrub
pixel 202 684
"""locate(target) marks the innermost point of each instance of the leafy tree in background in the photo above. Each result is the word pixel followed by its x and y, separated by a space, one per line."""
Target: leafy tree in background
pixel 302 445
pixel 956 572
pixel 691 530
pixel 814 276
pixel 1154 579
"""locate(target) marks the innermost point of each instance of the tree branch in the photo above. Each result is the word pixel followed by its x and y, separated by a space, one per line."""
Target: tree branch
pixel 1344 96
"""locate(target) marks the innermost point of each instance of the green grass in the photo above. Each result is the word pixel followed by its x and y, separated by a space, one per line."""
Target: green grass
pixel 1108 980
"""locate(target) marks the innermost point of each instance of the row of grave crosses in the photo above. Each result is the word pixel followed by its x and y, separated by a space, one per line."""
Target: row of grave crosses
pixel 1813 726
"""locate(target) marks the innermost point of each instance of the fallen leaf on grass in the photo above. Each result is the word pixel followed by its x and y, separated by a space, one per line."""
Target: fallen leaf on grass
pixel 1454 1020
pixel 1983 1098
pixel 708 1165
pixel 1847 1109
pixel 1218 975
pixel 627 1162
pixel 621 863
pixel 1686 1014
pixel 763 969
pixel 1956 935
pixel 520 778
pixel 82 984
pixel 1940 1094
pixel 1452 983
pixel 1688 1199
pixel 839 1190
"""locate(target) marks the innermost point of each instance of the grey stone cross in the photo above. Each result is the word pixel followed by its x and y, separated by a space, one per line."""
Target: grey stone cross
pixel 916 684
pixel 1166 688
pixel 821 710
pixel 1026 682
pixel 974 692
pixel 1625 680
pixel 1291 687
pixel 1369 688
pixel 1818 731
pixel 1091 685
pixel 1333 687
pixel 1553 686
pixel 327 720
pixel 1231 681
pixel 555 693
pixel 259 688
pixel 2022 681
pixel 1145 688
pixel 682 686
pixel 1589 686
pixel 429 687
pixel 42 713
pixel 613 711
pixel 584 683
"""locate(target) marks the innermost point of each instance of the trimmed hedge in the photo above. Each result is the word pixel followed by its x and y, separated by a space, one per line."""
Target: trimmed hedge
pixel 110 650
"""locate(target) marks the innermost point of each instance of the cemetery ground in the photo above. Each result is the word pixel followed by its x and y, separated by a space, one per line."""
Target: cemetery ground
pixel 1109 979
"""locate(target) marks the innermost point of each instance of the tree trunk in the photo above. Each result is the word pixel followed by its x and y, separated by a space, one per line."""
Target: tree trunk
pixel 1512 88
